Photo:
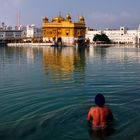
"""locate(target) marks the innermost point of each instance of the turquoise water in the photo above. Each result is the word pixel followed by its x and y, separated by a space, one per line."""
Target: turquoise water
pixel 45 93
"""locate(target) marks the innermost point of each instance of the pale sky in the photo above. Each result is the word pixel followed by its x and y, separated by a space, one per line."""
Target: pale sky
pixel 98 14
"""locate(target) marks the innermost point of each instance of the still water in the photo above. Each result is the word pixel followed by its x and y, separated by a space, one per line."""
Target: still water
pixel 45 93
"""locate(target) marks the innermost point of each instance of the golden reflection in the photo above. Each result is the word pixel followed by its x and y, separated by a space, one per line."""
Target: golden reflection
pixel 57 60
pixel 63 61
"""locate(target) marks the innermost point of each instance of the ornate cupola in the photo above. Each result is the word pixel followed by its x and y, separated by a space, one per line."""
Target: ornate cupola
pixel 45 19
pixel 81 19
pixel 68 17
pixel 58 19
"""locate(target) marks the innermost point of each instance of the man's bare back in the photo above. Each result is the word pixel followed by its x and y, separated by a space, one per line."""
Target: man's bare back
pixel 100 114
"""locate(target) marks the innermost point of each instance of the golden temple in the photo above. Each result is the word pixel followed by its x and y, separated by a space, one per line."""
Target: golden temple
pixel 63 28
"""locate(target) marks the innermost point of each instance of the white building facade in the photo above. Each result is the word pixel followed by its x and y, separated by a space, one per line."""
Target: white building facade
pixel 123 35
pixel 9 32
pixel 139 34
pixel 19 32
pixel 33 31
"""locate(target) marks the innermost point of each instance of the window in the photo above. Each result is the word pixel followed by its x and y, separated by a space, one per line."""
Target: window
pixel 59 33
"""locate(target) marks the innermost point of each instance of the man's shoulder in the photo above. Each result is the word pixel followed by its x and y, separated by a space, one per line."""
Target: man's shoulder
pixel 92 108
pixel 108 109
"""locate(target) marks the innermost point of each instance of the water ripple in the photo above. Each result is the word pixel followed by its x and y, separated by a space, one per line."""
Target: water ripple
pixel 50 97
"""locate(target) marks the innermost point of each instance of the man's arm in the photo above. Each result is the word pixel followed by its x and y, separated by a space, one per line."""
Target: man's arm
pixel 110 115
pixel 89 117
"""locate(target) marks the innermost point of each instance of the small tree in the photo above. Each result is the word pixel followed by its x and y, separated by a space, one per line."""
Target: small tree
pixel 102 38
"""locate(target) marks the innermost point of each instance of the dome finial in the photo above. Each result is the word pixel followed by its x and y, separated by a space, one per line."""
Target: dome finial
pixel 45 19
pixel 59 13
pixel 81 19
pixel 68 17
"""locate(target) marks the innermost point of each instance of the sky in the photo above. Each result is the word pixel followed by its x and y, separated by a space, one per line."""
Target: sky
pixel 99 14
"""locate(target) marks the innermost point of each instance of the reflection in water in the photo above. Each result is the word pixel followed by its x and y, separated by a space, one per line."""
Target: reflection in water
pixel 30 55
pixel 121 53
pixel 10 55
pixel 101 51
pixel 101 133
pixel 55 59
pixel 80 58
pixel 2 57
pixel 17 54
pixel 28 110
pixel 61 61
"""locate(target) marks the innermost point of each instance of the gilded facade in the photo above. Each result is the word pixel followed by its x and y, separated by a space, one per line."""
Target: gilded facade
pixel 63 28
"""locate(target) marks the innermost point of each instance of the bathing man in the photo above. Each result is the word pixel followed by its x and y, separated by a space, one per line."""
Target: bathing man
pixel 99 115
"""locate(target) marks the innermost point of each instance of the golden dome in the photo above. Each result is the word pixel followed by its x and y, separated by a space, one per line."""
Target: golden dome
pixel 81 18
pixel 45 19
pixel 58 19
pixel 68 17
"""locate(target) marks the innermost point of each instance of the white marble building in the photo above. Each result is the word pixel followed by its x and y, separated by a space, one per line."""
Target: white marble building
pixel 122 35
pixel 21 31
pixel 9 32
pixel 33 31
pixel 139 34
